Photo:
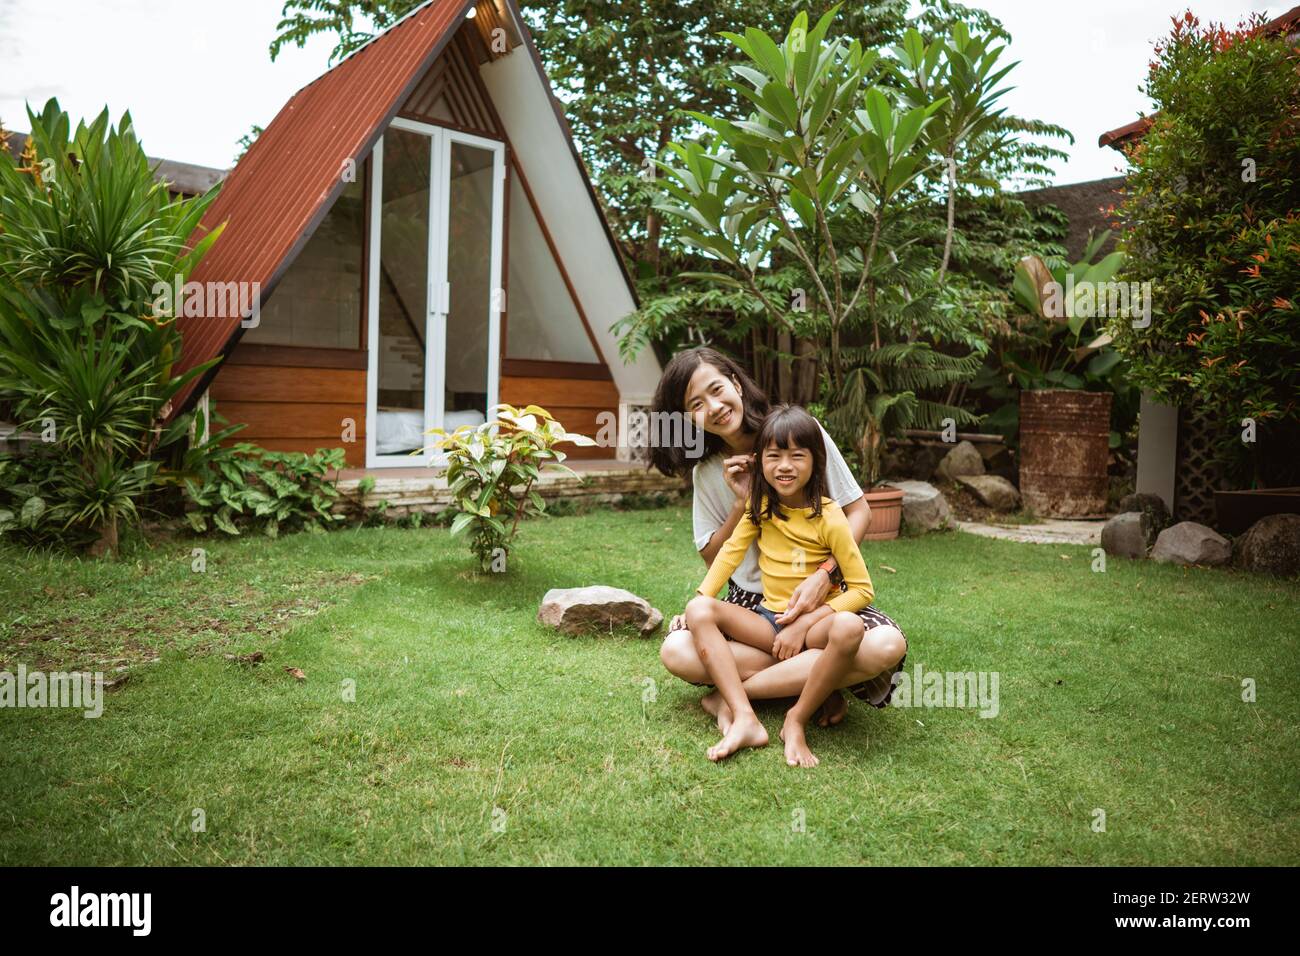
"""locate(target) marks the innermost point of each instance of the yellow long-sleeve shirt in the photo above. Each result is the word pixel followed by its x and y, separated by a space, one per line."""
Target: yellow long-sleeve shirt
pixel 781 563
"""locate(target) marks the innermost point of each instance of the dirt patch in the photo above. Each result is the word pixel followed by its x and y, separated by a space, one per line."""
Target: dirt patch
pixel 71 629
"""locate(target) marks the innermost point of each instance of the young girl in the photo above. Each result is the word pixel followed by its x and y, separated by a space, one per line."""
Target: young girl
pixel 797 527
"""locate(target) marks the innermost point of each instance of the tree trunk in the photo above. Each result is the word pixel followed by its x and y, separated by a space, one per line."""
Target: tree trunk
pixel 107 543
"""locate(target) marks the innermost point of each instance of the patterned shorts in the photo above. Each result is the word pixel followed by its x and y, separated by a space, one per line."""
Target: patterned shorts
pixel 876 691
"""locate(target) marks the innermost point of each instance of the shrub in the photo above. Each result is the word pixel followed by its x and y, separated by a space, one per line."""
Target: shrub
pixel 1210 211
pixel 486 463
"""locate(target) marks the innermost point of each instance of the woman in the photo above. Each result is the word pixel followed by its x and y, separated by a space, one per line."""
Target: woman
pixel 721 399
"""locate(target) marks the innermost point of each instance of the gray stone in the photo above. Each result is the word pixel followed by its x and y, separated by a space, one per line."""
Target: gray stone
pixel 1128 535
pixel 924 506
pixel 994 490
pixel 1190 543
pixel 964 459
pixel 1153 506
pixel 597 608
pixel 1272 545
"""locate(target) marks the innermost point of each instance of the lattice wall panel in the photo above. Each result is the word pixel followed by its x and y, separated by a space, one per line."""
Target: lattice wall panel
pixel 1195 476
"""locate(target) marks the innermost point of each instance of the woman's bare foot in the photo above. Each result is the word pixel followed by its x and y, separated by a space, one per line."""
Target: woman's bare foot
pixel 714 704
pixel 797 753
pixel 745 731
pixel 832 710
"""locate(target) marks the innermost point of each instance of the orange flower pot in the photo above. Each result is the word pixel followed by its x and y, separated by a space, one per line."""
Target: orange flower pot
pixel 886 505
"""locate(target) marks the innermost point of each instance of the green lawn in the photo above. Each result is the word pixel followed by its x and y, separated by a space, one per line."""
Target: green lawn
pixel 1120 691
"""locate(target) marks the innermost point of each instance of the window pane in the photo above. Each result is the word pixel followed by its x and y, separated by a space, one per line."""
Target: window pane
pixel 541 320
pixel 318 301
pixel 469 267
pixel 403 292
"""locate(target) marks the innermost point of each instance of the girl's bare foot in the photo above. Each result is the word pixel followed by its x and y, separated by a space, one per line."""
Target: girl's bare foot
pixel 715 705
pixel 797 753
pixel 831 712
pixel 745 731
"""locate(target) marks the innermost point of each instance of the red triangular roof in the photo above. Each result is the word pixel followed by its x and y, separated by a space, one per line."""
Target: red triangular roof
pixel 284 185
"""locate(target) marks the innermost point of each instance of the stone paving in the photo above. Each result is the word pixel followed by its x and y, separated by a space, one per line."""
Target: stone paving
pixel 1047 531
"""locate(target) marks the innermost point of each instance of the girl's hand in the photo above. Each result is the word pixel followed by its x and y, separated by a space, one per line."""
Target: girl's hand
pixel 678 623
pixel 788 643
pixel 735 470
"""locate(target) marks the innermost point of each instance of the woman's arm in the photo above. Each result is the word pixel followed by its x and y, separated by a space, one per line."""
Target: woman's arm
pixel 719 538
pixel 730 554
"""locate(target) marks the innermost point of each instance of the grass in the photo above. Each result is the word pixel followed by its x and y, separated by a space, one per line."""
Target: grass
pixel 478 736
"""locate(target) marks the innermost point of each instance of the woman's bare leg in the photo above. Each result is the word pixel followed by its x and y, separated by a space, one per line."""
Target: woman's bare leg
pixel 881 649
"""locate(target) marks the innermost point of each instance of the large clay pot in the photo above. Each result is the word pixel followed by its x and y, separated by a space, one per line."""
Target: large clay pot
pixel 886 513
pixel 1064 452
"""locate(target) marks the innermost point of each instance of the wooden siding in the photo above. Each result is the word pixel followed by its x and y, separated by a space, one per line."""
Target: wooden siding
pixel 291 408
pixel 574 403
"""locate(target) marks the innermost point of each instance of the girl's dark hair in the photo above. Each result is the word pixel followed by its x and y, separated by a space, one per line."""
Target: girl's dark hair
pixel 670 396
pixel 788 426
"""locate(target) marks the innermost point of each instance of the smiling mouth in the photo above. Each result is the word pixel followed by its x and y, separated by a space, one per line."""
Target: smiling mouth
pixel 786 480
pixel 726 417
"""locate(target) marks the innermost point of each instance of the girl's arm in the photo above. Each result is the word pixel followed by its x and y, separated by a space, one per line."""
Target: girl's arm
pixel 729 556
pixel 839 538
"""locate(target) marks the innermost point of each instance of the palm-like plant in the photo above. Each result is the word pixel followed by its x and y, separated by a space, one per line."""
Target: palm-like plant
pixel 86 236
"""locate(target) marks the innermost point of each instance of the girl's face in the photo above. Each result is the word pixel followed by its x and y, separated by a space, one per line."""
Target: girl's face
pixel 713 402
pixel 788 471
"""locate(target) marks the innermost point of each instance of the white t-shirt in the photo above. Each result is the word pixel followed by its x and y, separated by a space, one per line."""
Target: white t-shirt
pixel 713 501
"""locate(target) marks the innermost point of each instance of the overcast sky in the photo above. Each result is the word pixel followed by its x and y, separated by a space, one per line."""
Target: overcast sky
pixel 196 74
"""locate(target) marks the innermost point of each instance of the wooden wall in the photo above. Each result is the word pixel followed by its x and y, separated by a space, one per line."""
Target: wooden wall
pixel 573 402
pixel 290 407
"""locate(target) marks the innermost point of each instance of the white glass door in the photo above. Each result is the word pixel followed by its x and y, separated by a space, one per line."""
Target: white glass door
pixel 437 212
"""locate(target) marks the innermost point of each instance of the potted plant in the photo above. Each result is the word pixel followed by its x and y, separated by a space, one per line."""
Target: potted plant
pixel 1060 372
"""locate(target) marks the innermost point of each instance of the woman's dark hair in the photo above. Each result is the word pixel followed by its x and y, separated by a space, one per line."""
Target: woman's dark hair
pixel 788 426
pixel 670 396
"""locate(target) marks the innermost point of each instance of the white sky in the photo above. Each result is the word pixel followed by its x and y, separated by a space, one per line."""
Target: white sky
pixel 196 74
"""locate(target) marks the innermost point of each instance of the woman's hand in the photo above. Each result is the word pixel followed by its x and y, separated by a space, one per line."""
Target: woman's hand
pixel 735 471
pixel 810 594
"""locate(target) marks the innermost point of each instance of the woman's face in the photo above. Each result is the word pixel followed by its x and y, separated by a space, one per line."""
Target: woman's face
pixel 713 402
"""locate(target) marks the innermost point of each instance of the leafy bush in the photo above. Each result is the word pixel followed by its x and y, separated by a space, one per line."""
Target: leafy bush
pixel 244 486
pixel 85 234
pixel 486 463
pixel 1210 209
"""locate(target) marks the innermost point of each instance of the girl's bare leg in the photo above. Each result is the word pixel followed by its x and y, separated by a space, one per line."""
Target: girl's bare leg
pixel 705 618
pixel 843 636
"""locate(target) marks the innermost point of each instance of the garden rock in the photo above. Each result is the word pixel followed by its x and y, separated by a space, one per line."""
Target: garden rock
pixel 597 608
pixel 1190 543
pixel 924 506
pixel 964 459
pixel 926 461
pixel 1272 545
pixel 993 490
pixel 1128 535
pixel 1153 506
